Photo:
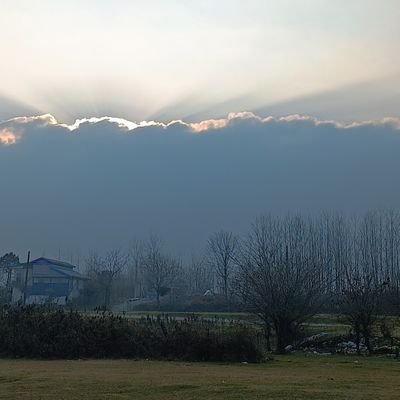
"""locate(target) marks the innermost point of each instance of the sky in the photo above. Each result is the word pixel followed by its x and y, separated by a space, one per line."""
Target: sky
pixel 173 59
pixel 124 118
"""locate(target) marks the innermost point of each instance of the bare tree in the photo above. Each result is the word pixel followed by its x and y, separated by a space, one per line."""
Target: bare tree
pixel 106 270
pixel 8 261
pixel 279 275
pixel 135 268
pixel 160 269
pixel 199 276
pixel 222 250
pixel 367 273
pixel 360 304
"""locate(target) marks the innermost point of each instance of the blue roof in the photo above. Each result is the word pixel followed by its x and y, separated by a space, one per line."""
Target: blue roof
pixel 47 268
pixel 49 261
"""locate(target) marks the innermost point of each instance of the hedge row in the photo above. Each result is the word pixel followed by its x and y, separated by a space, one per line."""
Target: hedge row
pixel 37 332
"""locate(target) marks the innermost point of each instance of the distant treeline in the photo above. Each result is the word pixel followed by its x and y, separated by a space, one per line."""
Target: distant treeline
pixel 47 332
pixel 293 267
pixel 340 245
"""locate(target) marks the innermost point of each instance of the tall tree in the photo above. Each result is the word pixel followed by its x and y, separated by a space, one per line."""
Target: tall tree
pixel 360 303
pixel 135 268
pixel 8 261
pixel 106 270
pixel 199 276
pixel 160 269
pixel 222 250
pixel 280 275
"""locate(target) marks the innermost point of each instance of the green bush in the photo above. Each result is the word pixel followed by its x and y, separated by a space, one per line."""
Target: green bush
pixel 46 332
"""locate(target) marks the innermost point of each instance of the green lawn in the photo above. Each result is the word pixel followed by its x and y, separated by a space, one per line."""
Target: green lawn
pixel 332 324
pixel 328 323
pixel 291 377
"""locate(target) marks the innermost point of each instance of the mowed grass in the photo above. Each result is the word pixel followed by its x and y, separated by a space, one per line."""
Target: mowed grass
pixel 288 377
pixel 328 323
pixel 331 324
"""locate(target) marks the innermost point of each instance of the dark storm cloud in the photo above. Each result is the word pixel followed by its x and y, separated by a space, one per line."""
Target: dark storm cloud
pixel 100 182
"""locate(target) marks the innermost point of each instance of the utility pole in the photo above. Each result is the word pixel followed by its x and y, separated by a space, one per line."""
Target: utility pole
pixel 26 276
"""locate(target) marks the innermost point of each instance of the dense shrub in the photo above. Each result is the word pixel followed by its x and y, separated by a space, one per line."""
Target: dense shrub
pixel 44 332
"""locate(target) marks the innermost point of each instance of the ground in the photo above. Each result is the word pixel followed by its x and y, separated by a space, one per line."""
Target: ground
pixel 287 377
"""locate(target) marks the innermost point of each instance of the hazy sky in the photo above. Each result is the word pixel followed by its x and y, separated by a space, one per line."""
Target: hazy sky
pixel 195 59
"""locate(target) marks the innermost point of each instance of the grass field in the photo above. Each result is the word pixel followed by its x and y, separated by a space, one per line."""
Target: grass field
pixel 290 377
pixel 329 323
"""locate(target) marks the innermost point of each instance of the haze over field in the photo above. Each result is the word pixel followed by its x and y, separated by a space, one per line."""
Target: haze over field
pixel 247 108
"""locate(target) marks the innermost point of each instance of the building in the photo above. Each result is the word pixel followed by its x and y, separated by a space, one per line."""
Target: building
pixel 47 281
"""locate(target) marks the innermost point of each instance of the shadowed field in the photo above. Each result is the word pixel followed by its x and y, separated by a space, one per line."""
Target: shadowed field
pixel 291 377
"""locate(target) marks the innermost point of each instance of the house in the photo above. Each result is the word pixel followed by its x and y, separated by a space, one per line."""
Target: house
pixel 45 280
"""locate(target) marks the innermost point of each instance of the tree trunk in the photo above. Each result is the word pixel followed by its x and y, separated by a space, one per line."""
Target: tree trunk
pixel 358 339
pixel 158 299
pixel 283 336
pixel 286 333
pixel 107 296
pixel 267 334
pixel 280 343
pixel 8 278
pixel 226 288
pixel 366 335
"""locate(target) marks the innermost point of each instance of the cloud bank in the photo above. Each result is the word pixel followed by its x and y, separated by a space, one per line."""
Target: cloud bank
pixel 100 182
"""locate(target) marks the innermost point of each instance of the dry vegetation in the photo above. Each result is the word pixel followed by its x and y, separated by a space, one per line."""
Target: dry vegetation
pixel 290 377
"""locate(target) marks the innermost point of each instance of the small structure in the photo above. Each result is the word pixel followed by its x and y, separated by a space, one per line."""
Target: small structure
pixel 46 281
